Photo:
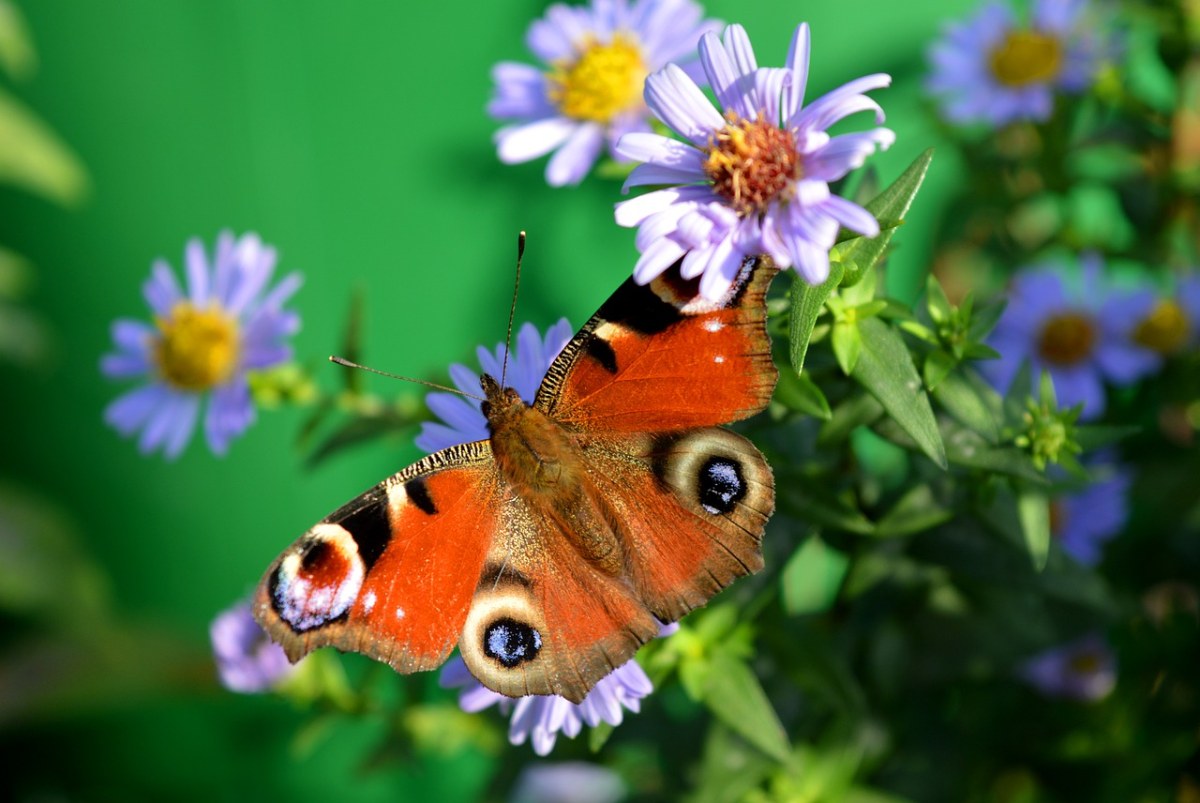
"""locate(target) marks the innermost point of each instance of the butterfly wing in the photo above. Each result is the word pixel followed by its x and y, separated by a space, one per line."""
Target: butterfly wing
pixel 392 573
pixel 660 357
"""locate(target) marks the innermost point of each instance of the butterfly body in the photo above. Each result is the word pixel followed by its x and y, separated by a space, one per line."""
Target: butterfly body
pixel 552 550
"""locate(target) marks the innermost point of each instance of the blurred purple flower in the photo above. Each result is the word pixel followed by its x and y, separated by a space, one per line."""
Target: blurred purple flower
pixel 1079 332
pixel 201 343
pixel 540 718
pixel 247 660
pixel 462 419
pixel 599 57
pixel 568 782
pixel 1087 519
pixel 751 178
pixel 1083 670
pixel 997 70
pixel 1173 323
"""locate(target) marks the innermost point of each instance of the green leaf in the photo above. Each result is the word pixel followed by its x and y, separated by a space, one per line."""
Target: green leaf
pixel 890 205
pixel 984 319
pixel 732 692
pixel 824 510
pixel 17 55
pixel 940 309
pixel 1095 436
pixel 799 393
pixel 847 345
pixel 812 576
pixel 885 368
pixel 857 411
pixel 938 364
pixel 807 302
pixel 916 511
pixel 33 157
pixel 1033 512
pixel 972 402
pixel 360 429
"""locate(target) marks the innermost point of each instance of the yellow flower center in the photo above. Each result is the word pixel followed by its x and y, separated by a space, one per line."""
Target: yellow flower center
pixel 604 81
pixel 752 163
pixel 1067 339
pixel 198 347
pixel 1165 329
pixel 1026 57
pixel 1085 663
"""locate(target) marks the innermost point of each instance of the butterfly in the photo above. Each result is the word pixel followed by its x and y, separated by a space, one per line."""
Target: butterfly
pixel 552 550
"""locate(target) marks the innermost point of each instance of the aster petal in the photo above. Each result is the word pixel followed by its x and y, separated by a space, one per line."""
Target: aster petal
pixel 678 102
pixel 655 260
pixel 1079 384
pixel 224 265
pixel 161 290
pixel 258 263
pixel 660 151
pixel 851 216
pixel 730 69
pixel 520 92
pixel 161 423
pixel 521 143
pixel 636 210
pixel 797 64
pixel 842 102
pixel 230 411
pixel 182 424
pixel 129 412
pixel 548 41
pixel 133 336
pixel 465 380
pixel 1057 16
pixel 720 273
pixel 577 155
pixel 845 152
pixel 1126 363
pixel 123 365
pixel 197 271
pixel 281 292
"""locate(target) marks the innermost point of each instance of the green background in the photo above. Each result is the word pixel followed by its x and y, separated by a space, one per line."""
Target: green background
pixel 353 137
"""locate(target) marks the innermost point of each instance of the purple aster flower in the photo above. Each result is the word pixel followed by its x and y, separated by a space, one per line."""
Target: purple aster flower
pixel 993 68
pixel 1085 520
pixel 1173 323
pixel 247 660
pixel 201 344
pixel 540 718
pixel 599 57
pixel 1080 332
pixel 463 420
pixel 1082 670
pixel 752 177
pixel 568 782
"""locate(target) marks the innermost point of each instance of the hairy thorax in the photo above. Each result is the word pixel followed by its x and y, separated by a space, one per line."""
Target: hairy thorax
pixel 540 461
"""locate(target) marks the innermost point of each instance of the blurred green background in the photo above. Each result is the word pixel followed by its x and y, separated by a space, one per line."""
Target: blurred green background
pixel 353 137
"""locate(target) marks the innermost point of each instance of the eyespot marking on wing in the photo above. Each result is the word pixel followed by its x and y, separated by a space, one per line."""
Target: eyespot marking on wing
pixel 318 581
pixel 720 484
pixel 510 643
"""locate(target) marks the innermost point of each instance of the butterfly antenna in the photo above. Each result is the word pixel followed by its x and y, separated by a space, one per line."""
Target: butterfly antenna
pixel 426 383
pixel 512 310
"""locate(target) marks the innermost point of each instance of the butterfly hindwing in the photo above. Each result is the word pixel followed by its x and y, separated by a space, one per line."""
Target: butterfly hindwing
pixel 392 573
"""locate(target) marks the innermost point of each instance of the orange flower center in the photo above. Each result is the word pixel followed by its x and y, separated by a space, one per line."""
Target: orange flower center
pixel 604 81
pixel 1165 329
pixel 197 348
pixel 1067 338
pixel 1026 57
pixel 752 163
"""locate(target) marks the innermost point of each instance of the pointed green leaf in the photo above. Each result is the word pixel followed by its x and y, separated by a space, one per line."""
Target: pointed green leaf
pixel 821 508
pixel 799 393
pixel 937 365
pixel 1033 511
pixel 972 402
pixel 916 511
pixel 847 345
pixel 885 368
pixel 936 301
pixel 17 56
pixel 32 156
pixel 812 576
pixel 732 692
pixel 857 411
pixel 807 302
pixel 890 205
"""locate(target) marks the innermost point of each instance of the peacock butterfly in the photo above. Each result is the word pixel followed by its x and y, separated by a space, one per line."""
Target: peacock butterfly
pixel 550 550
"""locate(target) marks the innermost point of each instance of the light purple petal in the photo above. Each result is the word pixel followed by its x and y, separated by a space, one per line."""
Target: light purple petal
pixel 161 290
pixel 797 63
pixel 661 151
pixel 678 102
pixel 577 155
pixel 197 271
pixel 129 412
pixel 655 260
pixel 521 143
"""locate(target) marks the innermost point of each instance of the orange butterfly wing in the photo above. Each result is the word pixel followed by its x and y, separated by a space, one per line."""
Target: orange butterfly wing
pixel 392 573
